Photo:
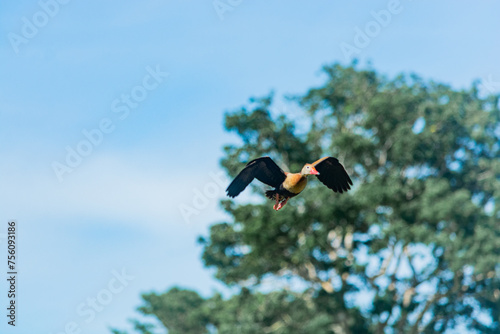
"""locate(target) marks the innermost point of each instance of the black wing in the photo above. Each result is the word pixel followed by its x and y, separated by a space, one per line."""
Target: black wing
pixel 333 174
pixel 264 169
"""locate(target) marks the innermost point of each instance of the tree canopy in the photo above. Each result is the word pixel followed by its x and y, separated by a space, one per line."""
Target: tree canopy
pixel 414 247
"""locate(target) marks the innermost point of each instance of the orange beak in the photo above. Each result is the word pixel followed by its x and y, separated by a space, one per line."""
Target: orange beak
pixel 314 171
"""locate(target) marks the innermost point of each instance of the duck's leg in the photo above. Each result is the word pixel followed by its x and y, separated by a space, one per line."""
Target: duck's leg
pixel 282 203
pixel 275 206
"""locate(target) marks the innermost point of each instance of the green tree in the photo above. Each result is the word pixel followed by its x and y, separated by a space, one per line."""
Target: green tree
pixel 413 248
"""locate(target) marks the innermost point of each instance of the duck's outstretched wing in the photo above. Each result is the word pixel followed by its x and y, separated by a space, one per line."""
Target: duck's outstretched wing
pixel 263 169
pixel 332 174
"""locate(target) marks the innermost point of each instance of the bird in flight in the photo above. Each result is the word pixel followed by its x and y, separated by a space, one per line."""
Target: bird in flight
pixel 287 185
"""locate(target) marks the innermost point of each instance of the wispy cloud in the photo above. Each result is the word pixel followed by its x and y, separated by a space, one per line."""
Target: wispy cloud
pixel 106 186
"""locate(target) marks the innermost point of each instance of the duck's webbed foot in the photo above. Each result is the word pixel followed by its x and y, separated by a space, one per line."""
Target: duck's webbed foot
pixel 280 203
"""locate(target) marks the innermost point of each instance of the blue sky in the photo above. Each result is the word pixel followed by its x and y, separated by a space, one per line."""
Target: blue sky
pixel 120 207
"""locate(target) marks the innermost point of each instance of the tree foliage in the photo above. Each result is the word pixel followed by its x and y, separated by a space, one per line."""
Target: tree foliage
pixel 414 247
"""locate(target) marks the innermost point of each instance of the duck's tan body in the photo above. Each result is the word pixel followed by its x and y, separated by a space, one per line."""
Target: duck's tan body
pixel 295 183
pixel 292 186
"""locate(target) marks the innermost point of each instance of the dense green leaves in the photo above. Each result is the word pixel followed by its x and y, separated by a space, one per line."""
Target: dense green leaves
pixel 414 247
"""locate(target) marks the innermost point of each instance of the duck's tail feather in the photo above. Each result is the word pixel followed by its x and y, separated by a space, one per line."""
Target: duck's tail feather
pixel 271 194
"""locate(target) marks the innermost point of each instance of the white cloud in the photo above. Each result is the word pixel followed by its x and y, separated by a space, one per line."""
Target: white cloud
pixel 112 187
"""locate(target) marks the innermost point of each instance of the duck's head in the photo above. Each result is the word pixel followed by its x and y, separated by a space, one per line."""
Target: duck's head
pixel 309 169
